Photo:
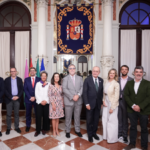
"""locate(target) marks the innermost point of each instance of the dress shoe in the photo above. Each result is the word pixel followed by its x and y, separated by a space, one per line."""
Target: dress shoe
pixel 90 139
pixel 36 134
pixel 8 131
pixel 18 130
pixel 95 137
pixel 67 135
pixel 129 147
pixel 78 133
pixel 144 148
pixel 43 132
pixel 0 133
pixel 125 140
pixel 27 129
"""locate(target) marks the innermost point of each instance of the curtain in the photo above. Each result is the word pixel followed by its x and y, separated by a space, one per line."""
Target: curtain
pixel 4 53
pixel 85 67
pixel 80 67
pixel 21 51
pixel 128 49
pixel 146 52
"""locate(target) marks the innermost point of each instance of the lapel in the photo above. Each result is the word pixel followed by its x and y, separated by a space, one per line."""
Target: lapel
pixel 93 84
pixel 10 84
pixel 76 79
pixel 18 84
pixel 140 86
pixel 132 85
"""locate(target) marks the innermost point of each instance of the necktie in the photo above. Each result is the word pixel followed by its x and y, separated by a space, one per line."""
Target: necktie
pixel 96 85
pixel 73 80
pixel 33 82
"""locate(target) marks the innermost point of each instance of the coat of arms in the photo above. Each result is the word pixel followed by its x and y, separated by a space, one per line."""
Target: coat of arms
pixel 76 29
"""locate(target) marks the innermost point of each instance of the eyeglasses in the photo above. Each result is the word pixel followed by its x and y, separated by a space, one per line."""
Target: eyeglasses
pixel 72 68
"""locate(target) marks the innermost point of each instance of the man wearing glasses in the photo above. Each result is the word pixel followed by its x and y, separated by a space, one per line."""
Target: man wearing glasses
pixel 72 89
pixel 13 93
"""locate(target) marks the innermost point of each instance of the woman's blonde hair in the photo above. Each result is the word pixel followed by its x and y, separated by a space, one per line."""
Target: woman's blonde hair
pixel 116 74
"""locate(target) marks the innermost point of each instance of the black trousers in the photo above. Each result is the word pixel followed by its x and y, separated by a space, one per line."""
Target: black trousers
pixel 42 112
pixel 122 118
pixel 92 119
pixel 133 129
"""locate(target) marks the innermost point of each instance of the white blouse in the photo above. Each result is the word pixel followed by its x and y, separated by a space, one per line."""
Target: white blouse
pixel 41 93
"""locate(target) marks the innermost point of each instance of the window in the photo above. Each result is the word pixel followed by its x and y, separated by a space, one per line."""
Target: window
pixel 137 13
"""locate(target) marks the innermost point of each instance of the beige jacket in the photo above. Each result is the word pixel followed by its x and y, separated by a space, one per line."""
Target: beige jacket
pixel 113 93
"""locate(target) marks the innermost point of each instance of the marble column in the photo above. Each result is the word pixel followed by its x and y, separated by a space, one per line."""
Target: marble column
pixel 42 5
pixel 107 59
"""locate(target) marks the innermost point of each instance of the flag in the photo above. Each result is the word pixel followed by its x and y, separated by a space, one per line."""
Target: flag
pixel 31 65
pixel 37 69
pixel 26 74
pixel 42 65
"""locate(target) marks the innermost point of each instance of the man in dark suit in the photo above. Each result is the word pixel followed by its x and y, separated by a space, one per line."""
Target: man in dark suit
pixel 13 93
pixel 29 89
pixel 122 108
pixel 137 96
pixel 92 97
pixel 1 101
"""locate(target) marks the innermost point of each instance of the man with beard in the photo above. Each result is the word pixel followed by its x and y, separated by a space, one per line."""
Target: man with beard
pixel 137 96
pixel 122 109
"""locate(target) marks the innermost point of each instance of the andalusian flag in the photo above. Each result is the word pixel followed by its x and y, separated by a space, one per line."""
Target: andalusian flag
pixel 37 69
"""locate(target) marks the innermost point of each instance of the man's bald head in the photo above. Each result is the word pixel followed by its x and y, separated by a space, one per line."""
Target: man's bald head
pixel 95 71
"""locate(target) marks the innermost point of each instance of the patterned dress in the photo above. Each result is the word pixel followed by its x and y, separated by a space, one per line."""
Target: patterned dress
pixel 55 95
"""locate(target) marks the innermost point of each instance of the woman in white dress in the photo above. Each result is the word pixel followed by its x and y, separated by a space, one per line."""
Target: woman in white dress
pixel 110 107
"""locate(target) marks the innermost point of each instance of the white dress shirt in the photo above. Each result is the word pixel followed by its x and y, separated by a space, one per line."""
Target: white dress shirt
pixel 136 87
pixel 96 81
pixel 32 79
pixel 41 93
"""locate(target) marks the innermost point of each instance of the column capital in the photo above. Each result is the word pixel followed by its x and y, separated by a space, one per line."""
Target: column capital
pixel 107 61
pixel 107 2
pixel 42 3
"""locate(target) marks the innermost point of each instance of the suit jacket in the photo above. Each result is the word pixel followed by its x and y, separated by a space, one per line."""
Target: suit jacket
pixel 90 95
pixel 113 94
pixel 142 98
pixel 8 91
pixel 2 89
pixel 122 91
pixel 28 89
pixel 70 90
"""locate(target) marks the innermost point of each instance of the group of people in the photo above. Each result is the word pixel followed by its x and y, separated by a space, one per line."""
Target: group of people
pixel 119 98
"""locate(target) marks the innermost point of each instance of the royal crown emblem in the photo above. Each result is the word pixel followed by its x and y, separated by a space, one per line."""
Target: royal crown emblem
pixel 75 30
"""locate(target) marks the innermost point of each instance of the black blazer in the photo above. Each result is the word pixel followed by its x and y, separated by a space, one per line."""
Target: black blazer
pixel 1 89
pixel 90 95
pixel 8 94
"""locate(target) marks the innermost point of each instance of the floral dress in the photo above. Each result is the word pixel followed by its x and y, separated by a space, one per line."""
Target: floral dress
pixel 55 95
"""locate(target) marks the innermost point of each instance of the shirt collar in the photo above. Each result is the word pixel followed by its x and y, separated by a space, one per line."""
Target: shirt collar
pixel 125 78
pixel 13 79
pixel 138 81
pixel 95 78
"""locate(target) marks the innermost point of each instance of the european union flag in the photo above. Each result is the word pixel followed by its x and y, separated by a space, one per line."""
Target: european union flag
pixel 42 65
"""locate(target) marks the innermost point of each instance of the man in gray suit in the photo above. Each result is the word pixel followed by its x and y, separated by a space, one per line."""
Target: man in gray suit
pixel 122 111
pixel 72 89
